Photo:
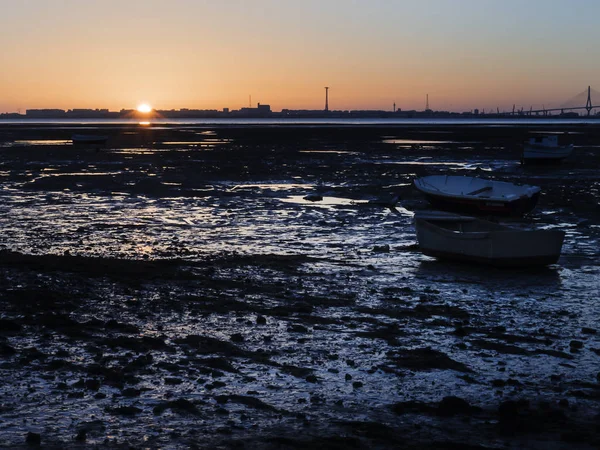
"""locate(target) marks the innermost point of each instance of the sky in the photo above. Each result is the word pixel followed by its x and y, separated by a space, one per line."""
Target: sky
pixel 211 54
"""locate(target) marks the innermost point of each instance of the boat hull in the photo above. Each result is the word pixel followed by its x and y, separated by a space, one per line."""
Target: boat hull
pixel 500 247
pixel 519 206
pixel 545 154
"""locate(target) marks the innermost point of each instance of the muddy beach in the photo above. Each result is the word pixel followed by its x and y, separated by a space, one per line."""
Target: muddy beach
pixel 177 288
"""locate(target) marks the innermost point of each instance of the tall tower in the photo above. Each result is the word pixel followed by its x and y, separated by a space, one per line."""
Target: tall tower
pixel 588 104
pixel 427 103
pixel 326 98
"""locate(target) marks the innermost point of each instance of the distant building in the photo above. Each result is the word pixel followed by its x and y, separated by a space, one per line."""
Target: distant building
pixel 45 113
pixel 259 111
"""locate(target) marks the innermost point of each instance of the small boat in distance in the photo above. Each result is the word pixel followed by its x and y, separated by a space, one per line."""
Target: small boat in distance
pixel 477 195
pixel 545 149
pixel 89 139
pixel 461 238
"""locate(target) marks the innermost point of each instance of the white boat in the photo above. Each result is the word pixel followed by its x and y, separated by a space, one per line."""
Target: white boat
pixel 88 139
pixel 545 149
pixel 477 195
pixel 463 238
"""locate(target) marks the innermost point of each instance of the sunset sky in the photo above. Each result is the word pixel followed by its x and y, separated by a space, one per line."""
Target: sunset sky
pixel 212 54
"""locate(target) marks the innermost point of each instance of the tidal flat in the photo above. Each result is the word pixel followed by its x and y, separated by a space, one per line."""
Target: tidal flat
pixel 260 287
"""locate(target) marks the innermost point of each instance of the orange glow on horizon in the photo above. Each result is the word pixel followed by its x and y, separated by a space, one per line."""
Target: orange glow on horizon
pixel 144 108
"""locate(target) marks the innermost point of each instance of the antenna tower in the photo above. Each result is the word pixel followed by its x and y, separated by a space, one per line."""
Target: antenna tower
pixel 326 98
pixel 427 103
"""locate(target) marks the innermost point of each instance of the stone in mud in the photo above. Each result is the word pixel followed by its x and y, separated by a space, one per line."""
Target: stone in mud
pixel 245 400
pixel 215 385
pixel 92 384
pixel 9 326
pixel 452 405
pixel 426 359
pixel 217 363
pixel 81 436
pixel 381 248
pixel 261 320
pixel 510 409
pixel 131 392
pixel 6 350
pixel 33 439
pixel 237 337
pixel 208 345
pixel 576 345
pixel 179 406
pixel 139 345
pixel 124 411
pixel 412 407
pixel 313 197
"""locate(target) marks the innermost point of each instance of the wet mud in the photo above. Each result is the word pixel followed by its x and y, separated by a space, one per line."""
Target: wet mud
pixel 261 287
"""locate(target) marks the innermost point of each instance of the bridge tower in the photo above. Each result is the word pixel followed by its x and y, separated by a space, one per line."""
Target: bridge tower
pixel 588 104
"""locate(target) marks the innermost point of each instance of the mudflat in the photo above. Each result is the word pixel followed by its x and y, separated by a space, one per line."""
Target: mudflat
pixel 261 287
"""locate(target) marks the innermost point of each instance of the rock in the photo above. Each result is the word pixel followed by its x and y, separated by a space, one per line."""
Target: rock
pixel 381 248
pixel 297 329
pixel 7 325
pixel 311 379
pixel 33 438
pixel 576 345
pixel 81 436
pixel 6 350
pixel 452 405
pixel 587 330
pixel 237 337
pixel 131 392
pixel 261 320
pixel 93 384
pixel 510 409
pixel 124 411
pixel 313 197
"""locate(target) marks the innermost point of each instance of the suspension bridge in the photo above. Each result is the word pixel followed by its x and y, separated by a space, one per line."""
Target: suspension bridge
pixel 572 105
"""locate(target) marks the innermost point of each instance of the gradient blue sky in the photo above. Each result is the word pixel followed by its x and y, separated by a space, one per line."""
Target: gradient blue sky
pixel 212 54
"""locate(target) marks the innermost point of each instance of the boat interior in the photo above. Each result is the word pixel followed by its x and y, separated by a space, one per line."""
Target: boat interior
pixel 472 186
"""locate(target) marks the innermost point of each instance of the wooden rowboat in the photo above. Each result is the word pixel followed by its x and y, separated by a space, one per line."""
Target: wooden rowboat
pixel 477 195
pixel 463 238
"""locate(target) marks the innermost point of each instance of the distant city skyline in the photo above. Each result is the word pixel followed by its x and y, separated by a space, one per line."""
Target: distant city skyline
pixel 464 54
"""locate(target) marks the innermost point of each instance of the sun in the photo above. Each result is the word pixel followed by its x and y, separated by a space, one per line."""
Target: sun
pixel 144 108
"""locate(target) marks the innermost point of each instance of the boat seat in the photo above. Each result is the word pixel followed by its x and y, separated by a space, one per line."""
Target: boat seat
pixel 479 191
